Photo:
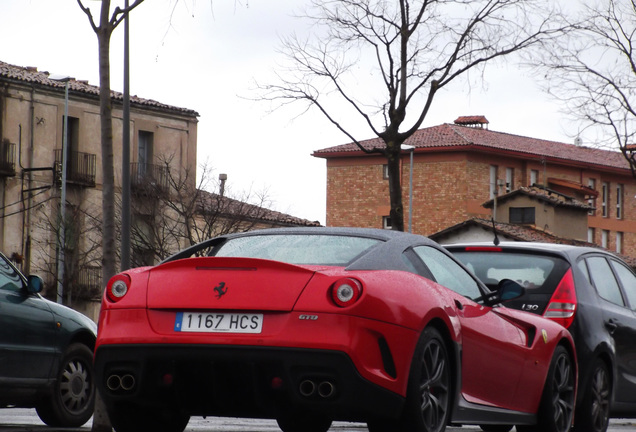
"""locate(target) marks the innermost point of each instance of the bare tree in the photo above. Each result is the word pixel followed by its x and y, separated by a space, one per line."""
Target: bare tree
pixel 409 50
pixel 173 214
pixel 593 73
pixel 81 250
pixel 104 30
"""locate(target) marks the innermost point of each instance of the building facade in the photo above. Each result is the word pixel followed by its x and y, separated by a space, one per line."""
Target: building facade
pixel 32 119
pixel 460 167
pixel 168 211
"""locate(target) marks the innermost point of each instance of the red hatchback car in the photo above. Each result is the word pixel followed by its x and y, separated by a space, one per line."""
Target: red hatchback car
pixel 308 326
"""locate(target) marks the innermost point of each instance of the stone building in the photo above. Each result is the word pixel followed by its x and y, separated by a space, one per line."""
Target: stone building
pixel 32 107
pixel 163 155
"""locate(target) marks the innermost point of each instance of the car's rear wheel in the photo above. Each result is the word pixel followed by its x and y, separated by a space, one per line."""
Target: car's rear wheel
pixel 303 422
pixel 428 395
pixel 556 409
pixel 71 402
pixel 593 413
pixel 133 418
pixel 382 425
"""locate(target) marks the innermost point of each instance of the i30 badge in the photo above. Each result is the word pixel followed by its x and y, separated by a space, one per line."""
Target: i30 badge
pixel 220 290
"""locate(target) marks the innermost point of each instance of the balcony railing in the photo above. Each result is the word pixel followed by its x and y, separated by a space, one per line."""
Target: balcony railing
pixel 88 284
pixel 7 158
pixel 80 167
pixel 148 178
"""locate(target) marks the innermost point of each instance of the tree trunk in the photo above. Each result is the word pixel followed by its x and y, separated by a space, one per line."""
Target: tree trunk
pixel 395 186
pixel 101 422
pixel 106 118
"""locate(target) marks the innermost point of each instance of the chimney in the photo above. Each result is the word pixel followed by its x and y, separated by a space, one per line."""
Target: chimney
pixel 478 121
pixel 222 179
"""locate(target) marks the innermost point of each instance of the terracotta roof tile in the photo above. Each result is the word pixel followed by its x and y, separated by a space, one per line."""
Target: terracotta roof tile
pixel 229 207
pixel 549 196
pixel 32 75
pixel 521 233
pixel 451 137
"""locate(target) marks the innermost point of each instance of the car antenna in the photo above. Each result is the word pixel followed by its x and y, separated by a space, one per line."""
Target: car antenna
pixel 494 231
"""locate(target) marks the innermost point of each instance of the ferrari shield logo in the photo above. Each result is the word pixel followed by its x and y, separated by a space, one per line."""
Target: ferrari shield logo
pixel 545 336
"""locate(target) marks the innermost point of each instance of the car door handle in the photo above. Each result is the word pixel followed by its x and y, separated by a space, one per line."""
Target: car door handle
pixel 612 325
pixel 459 305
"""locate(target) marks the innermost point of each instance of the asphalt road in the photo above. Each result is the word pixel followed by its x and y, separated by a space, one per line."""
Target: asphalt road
pixel 26 420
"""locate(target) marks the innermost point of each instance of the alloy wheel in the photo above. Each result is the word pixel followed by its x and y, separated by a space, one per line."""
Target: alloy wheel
pixel 434 385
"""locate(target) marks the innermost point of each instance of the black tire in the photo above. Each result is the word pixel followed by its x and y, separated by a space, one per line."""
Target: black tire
pixel 593 413
pixel 73 397
pixel 496 428
pixel 556 409
pixel 304 422
pixel 131 418
pixel 381 425
pixel 428 397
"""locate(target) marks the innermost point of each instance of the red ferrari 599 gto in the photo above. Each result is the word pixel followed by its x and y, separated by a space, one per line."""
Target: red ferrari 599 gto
pixel 308 326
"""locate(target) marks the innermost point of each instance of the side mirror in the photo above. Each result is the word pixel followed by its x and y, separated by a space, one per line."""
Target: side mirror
pixel 35 284
pixel 507 289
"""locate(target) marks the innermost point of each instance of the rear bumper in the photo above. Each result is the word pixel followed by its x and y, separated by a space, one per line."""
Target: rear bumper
pixel 240 381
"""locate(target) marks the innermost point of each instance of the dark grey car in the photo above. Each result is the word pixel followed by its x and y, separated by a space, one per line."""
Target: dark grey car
pixel 589 291
pixel 46 352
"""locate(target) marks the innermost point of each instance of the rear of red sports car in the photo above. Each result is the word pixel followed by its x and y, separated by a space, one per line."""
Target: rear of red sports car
pixel 311 328
pixel 257 338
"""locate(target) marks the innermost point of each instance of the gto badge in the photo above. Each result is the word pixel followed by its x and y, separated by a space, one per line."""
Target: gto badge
pixel 221 289
pixel 308 317
pixel 545 335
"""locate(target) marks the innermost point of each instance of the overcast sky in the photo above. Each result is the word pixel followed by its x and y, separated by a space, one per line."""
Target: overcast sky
pixel 205 56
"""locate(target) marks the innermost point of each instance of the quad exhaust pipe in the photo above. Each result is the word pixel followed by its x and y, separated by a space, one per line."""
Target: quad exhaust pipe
pixel 324 389
pixel 125 382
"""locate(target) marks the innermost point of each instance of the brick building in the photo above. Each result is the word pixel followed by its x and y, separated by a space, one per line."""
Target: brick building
pixel 459 168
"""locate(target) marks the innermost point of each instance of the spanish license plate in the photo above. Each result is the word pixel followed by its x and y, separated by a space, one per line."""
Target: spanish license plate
pixel 202 322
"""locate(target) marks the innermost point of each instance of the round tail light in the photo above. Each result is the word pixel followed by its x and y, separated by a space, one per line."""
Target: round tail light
pixel 118 287
pixel 346 292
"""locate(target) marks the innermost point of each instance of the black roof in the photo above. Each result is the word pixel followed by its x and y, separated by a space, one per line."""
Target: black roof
pixel 386 256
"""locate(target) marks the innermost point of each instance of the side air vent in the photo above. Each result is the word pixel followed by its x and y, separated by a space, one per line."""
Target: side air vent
pixel 387 358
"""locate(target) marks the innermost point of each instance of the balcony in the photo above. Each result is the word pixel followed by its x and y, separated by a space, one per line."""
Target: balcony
pixel 148 179
pixel 88 283
pixel 7 159
pixel 80 168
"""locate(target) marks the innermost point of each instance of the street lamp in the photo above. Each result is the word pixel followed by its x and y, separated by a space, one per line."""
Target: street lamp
pixel 125 152
pixel 62 231
pixel 410 149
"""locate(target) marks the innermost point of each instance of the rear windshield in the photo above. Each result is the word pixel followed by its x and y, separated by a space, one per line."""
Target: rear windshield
pixel 309 249
pixel 534 272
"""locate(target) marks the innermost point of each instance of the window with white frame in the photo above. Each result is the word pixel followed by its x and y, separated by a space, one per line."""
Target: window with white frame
pixel 619 201
pixel 534 177
pixel 605 238
pixel 605 199
pixel 510 179
pixel 591 183
pixel 619 242
pixel 493 181
pixel 386 222
pixel 385 171
pixel 590 235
